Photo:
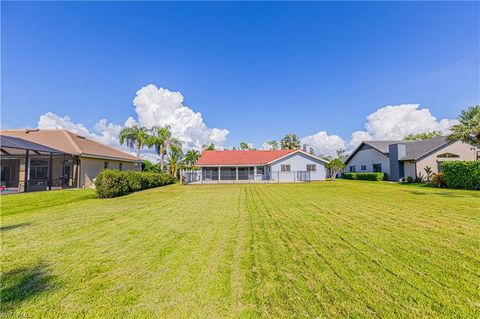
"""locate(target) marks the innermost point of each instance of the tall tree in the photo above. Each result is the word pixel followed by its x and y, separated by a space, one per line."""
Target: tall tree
pixel 208 147
pixel 162 140
pixel 174 160
pixel 134 137
pixel 290 142
pixel 191 157
pixel 422 136
pixel 244 146
pixel 468 130
pixel 273 145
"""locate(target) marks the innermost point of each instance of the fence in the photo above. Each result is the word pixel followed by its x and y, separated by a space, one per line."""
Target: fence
pixel 229 175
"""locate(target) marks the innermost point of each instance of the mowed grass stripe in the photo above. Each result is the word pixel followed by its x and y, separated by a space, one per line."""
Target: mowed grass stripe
pixel 391 258
pixel 343 249
pixel 330 251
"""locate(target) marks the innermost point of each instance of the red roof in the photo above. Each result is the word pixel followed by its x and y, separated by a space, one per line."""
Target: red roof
pixel 240 157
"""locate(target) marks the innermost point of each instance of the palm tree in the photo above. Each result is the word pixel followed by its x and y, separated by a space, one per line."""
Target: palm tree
pixel 174 160
pixel 429 172
pixel 192 157
pixel 244 146
pixel 290 142
pixel 422 136
pixel 208 147
pixel 134 137
pixel 273 145
pixel 148 166
pixel 468 130
pixel 162 140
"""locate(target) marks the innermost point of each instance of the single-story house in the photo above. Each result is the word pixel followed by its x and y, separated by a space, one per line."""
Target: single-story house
pixel 76 160
pixel 257 166
pixel 408 158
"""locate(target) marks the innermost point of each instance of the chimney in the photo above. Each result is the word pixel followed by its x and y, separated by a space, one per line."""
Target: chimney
pixel 304 148
pixel 396 151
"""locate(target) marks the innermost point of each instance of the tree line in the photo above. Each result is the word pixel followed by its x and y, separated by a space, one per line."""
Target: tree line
pixel 168 147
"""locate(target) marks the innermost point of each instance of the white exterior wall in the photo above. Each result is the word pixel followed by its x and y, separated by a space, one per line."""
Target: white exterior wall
pixel 409 169
pixel 298 162
pixel 368 156
pixel 466 152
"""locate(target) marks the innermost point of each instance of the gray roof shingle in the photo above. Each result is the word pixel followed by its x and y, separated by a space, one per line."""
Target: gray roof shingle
pixel 414 149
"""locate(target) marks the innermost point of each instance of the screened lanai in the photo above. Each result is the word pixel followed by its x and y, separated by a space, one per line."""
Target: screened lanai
pixel 28 167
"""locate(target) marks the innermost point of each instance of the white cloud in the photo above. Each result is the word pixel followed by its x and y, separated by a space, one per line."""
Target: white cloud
pixel 104 132
pixel 323 143
pixel 358 137
pixel 160 106
pixel 393 122
pixel 51 120
pixel 154 107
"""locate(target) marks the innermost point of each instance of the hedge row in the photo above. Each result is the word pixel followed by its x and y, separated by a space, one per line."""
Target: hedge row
pixel 459 174
pixel 112 183
pixel 365 176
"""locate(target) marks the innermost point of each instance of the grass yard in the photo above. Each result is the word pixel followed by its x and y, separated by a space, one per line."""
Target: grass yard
pixel 332 249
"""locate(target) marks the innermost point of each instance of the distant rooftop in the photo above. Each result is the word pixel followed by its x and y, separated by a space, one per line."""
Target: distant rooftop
pixel 70 143
pixel 251 157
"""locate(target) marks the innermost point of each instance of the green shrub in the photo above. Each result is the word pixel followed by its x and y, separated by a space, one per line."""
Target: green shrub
pixel 113 183
pixel 409 179
pixel 438 180
pixel 460 174
pixel 365 176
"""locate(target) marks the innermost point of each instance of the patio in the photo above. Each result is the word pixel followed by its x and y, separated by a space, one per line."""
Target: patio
pixel 29 167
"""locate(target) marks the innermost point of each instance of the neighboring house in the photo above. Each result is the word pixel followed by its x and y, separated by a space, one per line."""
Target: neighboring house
pixel 408 158
pixel 81 160
pixel 258 165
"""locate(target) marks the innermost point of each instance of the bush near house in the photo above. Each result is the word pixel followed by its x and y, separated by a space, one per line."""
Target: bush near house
pixel 438 180
pixel 112 183
pixel 365 176
pixel 462 174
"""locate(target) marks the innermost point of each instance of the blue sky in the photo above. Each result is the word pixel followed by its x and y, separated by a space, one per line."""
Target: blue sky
pixel 257 69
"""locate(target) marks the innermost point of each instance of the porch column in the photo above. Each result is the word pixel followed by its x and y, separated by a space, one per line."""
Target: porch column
pixel 219 173
pixel 63 172
pixel 50 168
pixel 236 173
pixel 27 171
pixel 254 172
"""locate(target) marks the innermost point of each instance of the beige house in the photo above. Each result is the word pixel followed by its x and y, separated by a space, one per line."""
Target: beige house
pixel 76 163
pixel 408 158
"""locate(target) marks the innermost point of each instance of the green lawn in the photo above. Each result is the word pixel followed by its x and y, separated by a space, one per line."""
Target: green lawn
pixel 332 249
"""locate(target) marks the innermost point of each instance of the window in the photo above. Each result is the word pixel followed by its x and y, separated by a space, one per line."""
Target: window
pixel 311 168
pixel 377 168
pixel 439 167
pixel 363 167
pixel 105 165
pixel 285 168
pixel 260 170
pixel 38 169
pixel 352 169
pixel 448 155
pixel 478 155
pixel 120 166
